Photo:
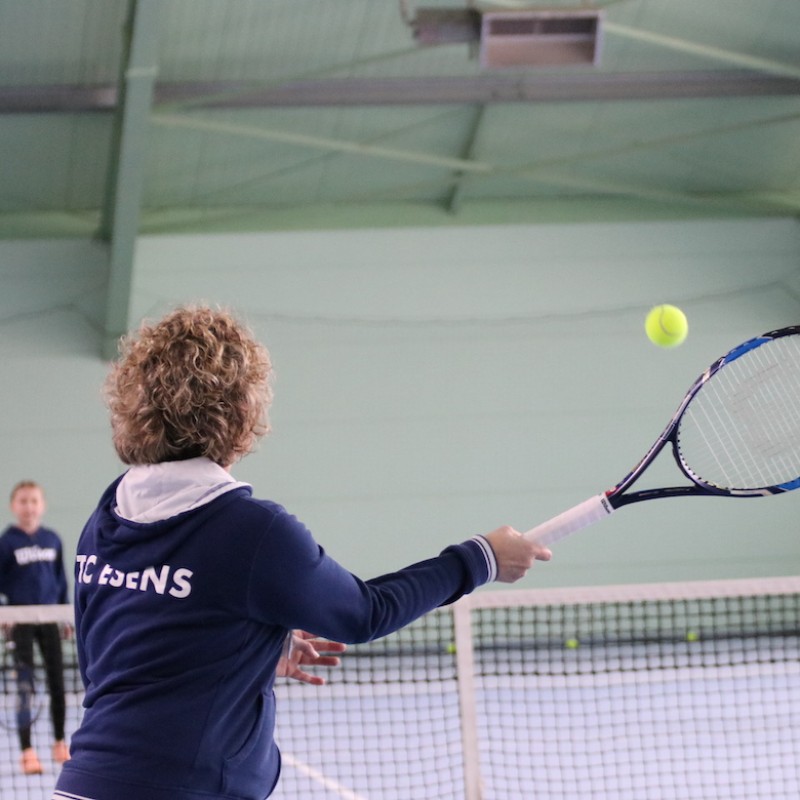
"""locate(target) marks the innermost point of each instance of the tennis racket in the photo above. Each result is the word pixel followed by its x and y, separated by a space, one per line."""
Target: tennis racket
pixel 20 702
pixel 736 434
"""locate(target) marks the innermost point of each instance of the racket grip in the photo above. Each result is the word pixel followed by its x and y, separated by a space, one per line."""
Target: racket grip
pixel 584 514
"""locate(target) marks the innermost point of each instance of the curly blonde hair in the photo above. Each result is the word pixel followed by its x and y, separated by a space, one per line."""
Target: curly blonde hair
pixel 197 383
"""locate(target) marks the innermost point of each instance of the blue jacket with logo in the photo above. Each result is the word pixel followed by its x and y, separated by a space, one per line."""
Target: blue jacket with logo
pixel 32 567
pixel 180 623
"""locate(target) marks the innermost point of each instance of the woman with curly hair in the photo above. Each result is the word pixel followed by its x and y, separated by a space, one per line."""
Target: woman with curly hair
pixel 191 595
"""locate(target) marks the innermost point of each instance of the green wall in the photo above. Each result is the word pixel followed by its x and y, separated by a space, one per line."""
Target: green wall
pixel 430 383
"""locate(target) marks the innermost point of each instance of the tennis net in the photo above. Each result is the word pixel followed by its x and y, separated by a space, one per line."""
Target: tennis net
pixel 687 691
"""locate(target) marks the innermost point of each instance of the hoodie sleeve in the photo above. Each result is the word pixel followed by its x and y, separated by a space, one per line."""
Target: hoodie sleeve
pixel 294 583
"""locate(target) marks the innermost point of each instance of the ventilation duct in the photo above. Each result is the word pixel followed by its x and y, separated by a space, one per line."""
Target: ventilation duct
pixel 521 38
pixel 539 38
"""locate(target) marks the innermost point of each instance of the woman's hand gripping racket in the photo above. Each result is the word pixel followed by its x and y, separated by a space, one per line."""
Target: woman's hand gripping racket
pixel 736 434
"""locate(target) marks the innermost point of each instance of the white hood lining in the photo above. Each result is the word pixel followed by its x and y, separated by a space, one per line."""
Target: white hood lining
pixel 155 492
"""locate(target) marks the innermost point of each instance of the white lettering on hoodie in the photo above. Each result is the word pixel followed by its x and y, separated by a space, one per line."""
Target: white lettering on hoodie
pixel 152 493
pixel 161 580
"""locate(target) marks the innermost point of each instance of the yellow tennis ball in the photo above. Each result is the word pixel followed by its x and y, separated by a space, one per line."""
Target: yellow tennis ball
pixel 692 636
pixel 572 644
pixel 451 648
pixel 666 326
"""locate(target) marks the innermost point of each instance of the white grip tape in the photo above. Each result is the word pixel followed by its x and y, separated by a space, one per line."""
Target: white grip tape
pixel 586 513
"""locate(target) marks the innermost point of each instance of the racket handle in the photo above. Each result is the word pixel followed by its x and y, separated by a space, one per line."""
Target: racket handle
pixel 586 513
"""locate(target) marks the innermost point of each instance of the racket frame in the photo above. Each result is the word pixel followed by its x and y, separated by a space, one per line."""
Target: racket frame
pixel 600 506
pixel 617 496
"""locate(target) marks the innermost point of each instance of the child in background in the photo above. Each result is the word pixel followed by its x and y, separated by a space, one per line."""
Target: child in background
pixel 32 573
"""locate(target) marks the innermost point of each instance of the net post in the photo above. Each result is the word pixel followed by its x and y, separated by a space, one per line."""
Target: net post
pixel 465 669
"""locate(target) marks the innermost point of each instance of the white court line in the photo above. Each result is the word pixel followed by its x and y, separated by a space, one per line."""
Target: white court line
pixel 315 775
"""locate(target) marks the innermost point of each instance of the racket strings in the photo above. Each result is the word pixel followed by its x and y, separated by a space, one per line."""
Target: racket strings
pixel 742 428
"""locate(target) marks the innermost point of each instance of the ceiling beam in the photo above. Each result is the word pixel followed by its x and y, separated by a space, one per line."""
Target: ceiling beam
pixel 479 89
pixel 457 190
pixel 743 60
pixel 120 220
pixel 445 90
pixel 325 144
pixel 460 166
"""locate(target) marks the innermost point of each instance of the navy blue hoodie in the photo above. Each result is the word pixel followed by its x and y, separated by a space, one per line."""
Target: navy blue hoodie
pixel 180 624
pixel 32 567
